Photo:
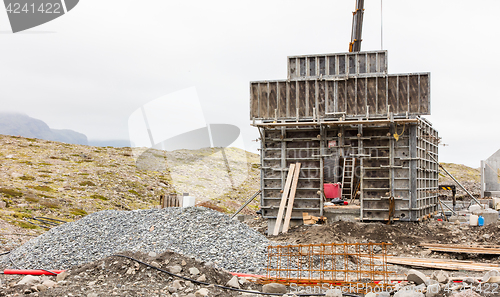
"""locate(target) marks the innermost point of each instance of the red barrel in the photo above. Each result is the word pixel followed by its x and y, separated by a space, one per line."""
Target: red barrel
pixel 332 190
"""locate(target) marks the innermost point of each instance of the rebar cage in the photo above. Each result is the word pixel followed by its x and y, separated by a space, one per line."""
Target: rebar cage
pixel 337 264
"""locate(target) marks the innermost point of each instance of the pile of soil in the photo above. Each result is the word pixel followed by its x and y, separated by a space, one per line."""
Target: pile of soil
pixel 123 277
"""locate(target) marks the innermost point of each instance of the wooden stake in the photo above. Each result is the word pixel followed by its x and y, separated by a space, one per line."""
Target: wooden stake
pixel 279 218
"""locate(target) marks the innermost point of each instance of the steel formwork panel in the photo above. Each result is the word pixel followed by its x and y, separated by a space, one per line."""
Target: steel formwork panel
pixel 388 167
pixel 310 99
pixel 337 65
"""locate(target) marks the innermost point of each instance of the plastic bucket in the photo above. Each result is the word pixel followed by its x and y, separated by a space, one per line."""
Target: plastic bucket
pixel 332 191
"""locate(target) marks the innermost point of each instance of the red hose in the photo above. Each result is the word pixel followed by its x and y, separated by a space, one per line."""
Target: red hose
pixel 246 275
pixel 32 272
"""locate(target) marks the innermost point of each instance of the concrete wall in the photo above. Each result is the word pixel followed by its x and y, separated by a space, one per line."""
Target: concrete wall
pixel 490 176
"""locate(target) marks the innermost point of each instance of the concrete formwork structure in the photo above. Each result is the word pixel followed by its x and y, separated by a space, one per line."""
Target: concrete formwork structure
pixel 338 106
pixel 490 176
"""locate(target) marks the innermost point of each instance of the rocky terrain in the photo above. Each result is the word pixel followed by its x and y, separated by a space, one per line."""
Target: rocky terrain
pixel 67 182
pixel 469 177
pixel 102 191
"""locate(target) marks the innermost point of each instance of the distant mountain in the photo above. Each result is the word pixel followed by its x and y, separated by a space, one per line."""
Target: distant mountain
pixel 18 124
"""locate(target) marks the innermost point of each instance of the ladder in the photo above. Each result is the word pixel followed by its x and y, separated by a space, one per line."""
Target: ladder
pixel 348 178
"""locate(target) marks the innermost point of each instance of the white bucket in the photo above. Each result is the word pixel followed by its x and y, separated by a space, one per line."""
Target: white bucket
pixel 473 220
pixel 188 201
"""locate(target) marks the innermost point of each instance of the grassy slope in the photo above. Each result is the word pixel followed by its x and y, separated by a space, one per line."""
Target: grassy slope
pixel 46 178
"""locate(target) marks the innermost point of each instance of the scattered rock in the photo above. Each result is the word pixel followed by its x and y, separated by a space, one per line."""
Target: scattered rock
pixel 29 280
pixel 61 276
pixel 416 276
pixel 490 273
pixel 333 293
pixel 201 292
pixel 3 204
pixel 177 284
pixel 233 283
pixel 152 254
pixel 194 271
pixel 466 293
pixel 174 269
pixel 242 280
pixel 409 293
pixel 49 283
pixel 441 276
pixel 202 278
pixel 274 288
pixel 433 290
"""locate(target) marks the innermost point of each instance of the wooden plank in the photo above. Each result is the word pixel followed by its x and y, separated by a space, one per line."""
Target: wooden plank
pixel 284 196
pixel 263 100
pixel 463 249
pixel 414 89
pixel 254 101
pixel 392 96
pixel 424 99
pixel 351 96
pixel 320 107
pixel 282 100
pixel 331 96
pixel 291 198
pixel 311 88
pixel 403 94
pixel 371 98
pixel 292 99
pixel 382 95
pixel 301 104
pixel 361 96
pixel 342 94
pixel 273 100
pixel 440 263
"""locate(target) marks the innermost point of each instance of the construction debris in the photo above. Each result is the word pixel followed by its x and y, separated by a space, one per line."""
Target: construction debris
pixel 442 264
pixel 453 248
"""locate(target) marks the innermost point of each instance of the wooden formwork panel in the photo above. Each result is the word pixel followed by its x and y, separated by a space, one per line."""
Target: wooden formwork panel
pixel 340 64
pixel 400 94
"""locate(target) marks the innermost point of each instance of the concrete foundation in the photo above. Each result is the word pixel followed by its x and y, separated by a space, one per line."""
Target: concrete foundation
pixel 272 222
pixel 342 214
pixel 490 215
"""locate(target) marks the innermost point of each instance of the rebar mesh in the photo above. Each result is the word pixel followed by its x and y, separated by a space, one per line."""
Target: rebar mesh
pixel 338 264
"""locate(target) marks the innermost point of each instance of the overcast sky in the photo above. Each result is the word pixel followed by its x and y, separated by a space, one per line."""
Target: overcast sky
pixel 91 69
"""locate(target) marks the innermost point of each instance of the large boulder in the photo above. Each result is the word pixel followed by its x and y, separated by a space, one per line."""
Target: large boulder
pixel 416 276
pixel 274 288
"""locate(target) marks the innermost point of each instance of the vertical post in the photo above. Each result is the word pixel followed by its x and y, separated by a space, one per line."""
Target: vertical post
pixel 262 170
pixel 483 165
pixel 413 172
pixel 322 144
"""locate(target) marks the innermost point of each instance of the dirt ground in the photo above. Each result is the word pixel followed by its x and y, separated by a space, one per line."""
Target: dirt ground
pixel 117 276
pixel 123 277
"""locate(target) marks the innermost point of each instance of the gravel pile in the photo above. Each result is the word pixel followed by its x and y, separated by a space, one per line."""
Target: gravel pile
pixel 196 232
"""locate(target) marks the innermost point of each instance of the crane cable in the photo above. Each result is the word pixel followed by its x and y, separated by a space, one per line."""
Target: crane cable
pixel 381 27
